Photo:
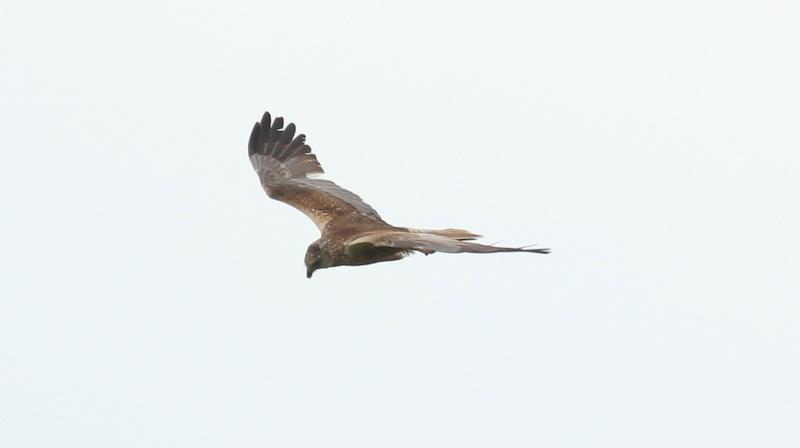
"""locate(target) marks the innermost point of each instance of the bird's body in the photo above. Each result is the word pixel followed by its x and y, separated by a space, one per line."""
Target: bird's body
pixel 352 232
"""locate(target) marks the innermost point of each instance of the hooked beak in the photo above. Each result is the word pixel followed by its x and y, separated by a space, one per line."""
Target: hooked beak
pixel 309 272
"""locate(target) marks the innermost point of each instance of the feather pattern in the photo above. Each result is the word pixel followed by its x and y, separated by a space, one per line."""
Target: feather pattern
pixel 285 162
pixel 432 242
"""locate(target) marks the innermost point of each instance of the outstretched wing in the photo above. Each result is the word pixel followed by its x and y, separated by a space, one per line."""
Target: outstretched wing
pixel 284 163
pixel 428 243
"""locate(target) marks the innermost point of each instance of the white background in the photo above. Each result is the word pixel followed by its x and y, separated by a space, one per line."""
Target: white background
pixel 153 296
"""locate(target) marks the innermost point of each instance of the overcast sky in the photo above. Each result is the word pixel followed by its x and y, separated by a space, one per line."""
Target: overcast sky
pixel 153 296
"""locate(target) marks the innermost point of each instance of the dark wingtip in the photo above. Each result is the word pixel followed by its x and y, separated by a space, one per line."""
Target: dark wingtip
pixel 277 124
pixel 252 146
pixel 269 137
pixel 288 134
pixel 263 134
pixel 537 251
pixel 531 249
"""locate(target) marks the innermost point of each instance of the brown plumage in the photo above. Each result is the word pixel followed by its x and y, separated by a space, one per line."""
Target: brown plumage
pixel 352 232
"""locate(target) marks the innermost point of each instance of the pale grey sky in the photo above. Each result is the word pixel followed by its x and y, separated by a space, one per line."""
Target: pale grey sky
pixel 153 296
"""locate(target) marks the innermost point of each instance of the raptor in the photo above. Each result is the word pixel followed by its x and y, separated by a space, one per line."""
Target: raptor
pixel 352 232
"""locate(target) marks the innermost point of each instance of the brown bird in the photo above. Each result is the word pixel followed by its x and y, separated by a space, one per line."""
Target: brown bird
pixel 352 232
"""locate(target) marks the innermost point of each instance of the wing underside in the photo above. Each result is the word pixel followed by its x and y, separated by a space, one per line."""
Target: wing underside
pixel 432 242
pixel 284 164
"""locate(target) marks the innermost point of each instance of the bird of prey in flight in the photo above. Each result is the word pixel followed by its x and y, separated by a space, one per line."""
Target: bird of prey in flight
pixel 352 232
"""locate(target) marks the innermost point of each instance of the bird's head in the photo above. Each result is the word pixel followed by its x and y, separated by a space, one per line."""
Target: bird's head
pixel 313 259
